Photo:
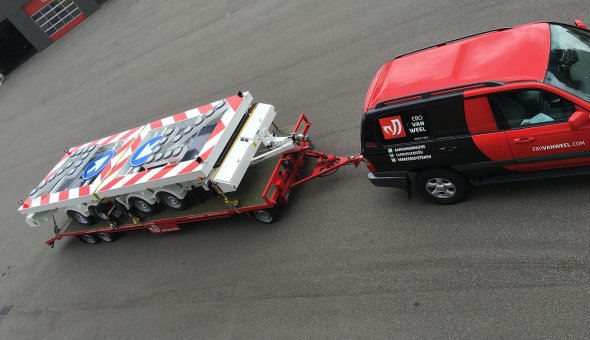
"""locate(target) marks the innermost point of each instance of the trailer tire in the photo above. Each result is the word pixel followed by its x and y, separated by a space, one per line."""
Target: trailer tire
pixel 142 205
pixel 78 217
pixel 89 238
pixel 267 216
pixel 94 211
pixel 107 237
pixel 173 202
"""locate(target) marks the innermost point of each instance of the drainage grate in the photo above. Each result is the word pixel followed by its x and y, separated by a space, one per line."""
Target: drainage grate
pixel 4 311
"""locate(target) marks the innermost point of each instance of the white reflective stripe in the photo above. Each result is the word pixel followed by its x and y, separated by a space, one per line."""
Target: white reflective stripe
pixel 36 202
pixel 211 142
pixel 119 137
pixel 193 113
pixel 121 183
pixel 149 176
pixel 54 197
pixel 177 169
pixel 74 193
pixel 228 116
pixel 167 121
pixel 144 132
pixel 102 140
pixel 94 186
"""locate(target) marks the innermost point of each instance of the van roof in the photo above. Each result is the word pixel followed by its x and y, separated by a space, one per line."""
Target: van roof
pixel 519 53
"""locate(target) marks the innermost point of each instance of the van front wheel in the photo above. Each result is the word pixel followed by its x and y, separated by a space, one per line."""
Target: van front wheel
pixel 442 186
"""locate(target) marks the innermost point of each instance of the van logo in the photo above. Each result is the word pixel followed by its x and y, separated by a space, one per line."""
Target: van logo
pixel 392 127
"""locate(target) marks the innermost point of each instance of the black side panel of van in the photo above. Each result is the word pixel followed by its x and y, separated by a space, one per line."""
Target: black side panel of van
pixel 433 133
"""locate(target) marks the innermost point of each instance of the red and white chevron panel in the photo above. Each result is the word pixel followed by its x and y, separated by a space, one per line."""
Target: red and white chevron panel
pixel 113 180
pixel 118 184
pixel 76 195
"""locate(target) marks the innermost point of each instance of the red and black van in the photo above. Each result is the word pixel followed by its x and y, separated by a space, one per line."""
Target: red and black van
pixel 505 105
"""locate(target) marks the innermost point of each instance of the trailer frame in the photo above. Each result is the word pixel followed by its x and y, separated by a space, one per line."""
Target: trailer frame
pixel 284 177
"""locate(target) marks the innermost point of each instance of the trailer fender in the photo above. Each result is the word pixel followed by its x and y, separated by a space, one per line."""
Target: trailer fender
pixel 38 218
pixel 81 208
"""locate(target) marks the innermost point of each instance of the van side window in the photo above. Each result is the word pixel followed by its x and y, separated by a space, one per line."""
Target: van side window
pixel 526 108
pixel 479 116
pixel 448 117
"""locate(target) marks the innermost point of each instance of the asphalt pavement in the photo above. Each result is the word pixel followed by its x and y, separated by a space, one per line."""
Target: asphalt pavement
pixel 347 259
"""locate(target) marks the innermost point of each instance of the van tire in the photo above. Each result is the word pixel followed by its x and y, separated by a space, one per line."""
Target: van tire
pixel 442 186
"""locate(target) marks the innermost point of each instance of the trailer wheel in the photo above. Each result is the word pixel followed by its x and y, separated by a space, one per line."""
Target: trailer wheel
pixel 107 237
pixel 142 205
pixel 267 216
pixel 89 238
pixel 94 211
pixel 78 217
pixel 172 201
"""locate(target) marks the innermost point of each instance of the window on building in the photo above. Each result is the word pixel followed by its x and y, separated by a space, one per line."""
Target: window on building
pixel 56 15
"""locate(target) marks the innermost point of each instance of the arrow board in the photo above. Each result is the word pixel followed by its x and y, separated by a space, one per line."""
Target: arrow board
pixel 96 166
pixel 144 152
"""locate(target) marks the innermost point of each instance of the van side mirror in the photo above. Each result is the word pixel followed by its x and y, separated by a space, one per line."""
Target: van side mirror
pixel 581 24
pixel 578 119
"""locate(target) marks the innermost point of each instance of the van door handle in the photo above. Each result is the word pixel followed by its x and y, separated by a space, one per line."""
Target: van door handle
pixel 448 148
pixel 523 140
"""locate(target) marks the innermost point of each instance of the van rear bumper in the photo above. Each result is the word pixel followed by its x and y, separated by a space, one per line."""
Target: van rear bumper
pixel 398 179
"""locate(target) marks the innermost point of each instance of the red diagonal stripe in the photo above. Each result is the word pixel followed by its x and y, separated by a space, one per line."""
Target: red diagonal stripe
pixel 120 165
pixel 132 131
pixel 45 199
pixel 135 144
pixel 108 140
pixel 206 154
pixel 163 172
pixel 234 102
pixel 50 174
pixel 84 191
pixel 179 117
pixel 64 195
pixel 112 183
pixel 107 170
pixel 136 178
pixel 219 128
pixel 203 109
pixel 27 203
pixel 192 166
pixel 156 124
pixel 124 147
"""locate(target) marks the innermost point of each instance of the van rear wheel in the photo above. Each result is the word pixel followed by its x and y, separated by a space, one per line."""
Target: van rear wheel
pixel 442 186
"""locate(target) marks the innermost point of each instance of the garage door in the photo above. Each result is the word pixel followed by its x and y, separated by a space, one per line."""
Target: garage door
pixel 55 17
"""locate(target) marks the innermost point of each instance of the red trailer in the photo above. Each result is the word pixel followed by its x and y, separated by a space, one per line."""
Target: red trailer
pixel 265 188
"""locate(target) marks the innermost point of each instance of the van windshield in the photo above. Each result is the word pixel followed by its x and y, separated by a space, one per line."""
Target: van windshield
pixel 569 61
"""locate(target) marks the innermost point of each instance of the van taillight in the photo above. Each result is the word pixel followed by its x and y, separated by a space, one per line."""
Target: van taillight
pixel 370 166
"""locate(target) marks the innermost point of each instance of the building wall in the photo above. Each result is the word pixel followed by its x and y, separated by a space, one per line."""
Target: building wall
pixel 13 11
